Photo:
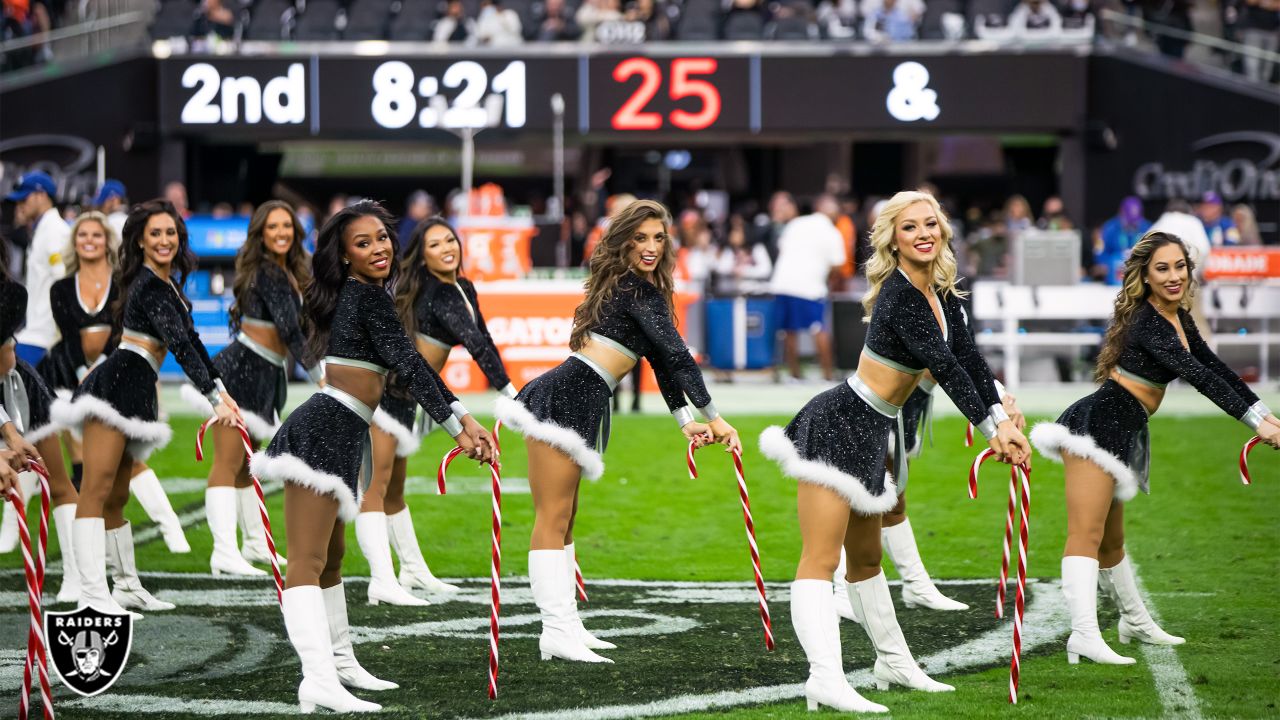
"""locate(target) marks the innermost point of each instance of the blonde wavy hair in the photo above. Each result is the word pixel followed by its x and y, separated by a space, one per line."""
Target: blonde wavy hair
pixel 72 263
pixel 884 257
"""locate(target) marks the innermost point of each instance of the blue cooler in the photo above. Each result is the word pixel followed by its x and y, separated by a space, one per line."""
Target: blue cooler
pixel 740 332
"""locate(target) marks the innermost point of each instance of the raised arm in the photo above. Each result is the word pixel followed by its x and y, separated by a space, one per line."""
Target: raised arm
pixel 452 312
pixel 1161 341
pixel 282 305
pixel 677 374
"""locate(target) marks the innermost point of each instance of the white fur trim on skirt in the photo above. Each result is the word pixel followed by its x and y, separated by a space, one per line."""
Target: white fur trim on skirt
pixel 1053 439
pixel 260 429
pixel 776 446
pixel 292 469
pixel 515 415
pixel 46 430
pixel 143 436
pixel 406 441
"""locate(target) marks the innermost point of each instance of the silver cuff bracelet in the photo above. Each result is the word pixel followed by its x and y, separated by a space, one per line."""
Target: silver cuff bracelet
pixel 453 426
pixel 1260 408
pixel 1252 418
pixel 510 390
pixel 997 414
pixel 709 412
pixel 215 395
pixel 459 410
pixel 683 415
pixel 987 428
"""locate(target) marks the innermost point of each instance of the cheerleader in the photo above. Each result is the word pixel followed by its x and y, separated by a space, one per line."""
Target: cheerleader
pixel 320 450
pixel 114 410
pixel 837 446
pixel 1104 445
pixel 272 269
pixel 440 309
pixel 564 413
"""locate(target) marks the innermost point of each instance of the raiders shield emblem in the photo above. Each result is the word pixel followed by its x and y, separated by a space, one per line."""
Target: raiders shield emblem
pixel 89 648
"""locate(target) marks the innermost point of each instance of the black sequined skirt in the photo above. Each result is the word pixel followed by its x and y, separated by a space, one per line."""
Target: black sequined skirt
pixel 841 442
pixel 57 369
pixel 1108 427
pixel 917 421
pixel 120 392
pixel 395 416
pixel 258 386
pixel 26 398
pixel 567 408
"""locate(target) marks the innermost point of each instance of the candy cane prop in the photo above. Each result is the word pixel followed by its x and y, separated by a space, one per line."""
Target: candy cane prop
pixel 1244 459
pixel 262 499
pixel 33 567
pixel 968 435
pixel 747 519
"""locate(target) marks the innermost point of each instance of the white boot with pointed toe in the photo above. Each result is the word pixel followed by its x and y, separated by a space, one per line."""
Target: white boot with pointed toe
pixel 253 534
pixel 1135 622
pixel 839 589
pixel 547 571
pixel 308 629
pixel 414 571
pixel 151 496
pixel 371 533
pixel 128 590
pixel 813 615
pixel 64 519
pixel 89 536
pixel 873 605
pixel 918 590
pixel 1080 588
pixel 350 672
pixel 220 512
pixel 584 635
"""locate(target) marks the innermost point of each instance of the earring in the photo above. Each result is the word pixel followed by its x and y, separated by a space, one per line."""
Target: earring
pixel 346 261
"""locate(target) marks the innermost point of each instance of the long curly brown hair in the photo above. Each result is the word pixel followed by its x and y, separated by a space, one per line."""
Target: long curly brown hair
pixel 253 253
pixel 1133 295
pixel 610 263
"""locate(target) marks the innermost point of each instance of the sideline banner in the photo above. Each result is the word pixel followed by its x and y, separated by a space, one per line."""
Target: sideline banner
pixel 1243 263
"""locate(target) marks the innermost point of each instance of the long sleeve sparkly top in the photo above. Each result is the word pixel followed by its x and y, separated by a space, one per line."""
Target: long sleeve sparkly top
pixel 449 314
pixel 71 316
pixel 153 308
pixel 905 332
pixel 366 329
pixel 637 317
pixel 13 309
pixel 1154 352
pixel 271 298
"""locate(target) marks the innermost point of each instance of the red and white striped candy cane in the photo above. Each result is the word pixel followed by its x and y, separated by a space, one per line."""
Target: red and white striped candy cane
pixel 443 468
pixel 33 566
pixel 262 498
pixel 968 435
pixel 749 521
pixel 1244 459
pixel 577 579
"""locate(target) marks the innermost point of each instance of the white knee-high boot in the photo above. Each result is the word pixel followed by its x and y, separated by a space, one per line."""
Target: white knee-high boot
pixel 1080 588
pixel 813 615
pixel 128 590
pixel 371 533
pixel 89 536
pixel 918 590
pixel 584 635
pixel 29 487
pixel 839 589
pixel 151 496
pixel 873 606
pixel 547 571
pixel 64 520
pixel 350 672
pixel 308 629
pixel 253 533
pixel 220 512
pixel 414 571
pixel 1135 622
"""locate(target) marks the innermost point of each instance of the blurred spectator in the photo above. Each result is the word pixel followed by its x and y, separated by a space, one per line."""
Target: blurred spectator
pixel 498 26
pixel 697 253
pixel 1077 14
pixel 782 210
pixel 1217 225
pixel 612 206
pixel 1261 31
pixel 1116 238
pixel 594 12
pixel 838 18
pixel 23 18
pixel 741 268
pixel 891 22
pixel 653 15
pixel 176 193
pixel 1035 17
pixel 336 203
pixel 1246 224
pixel 1054 215
pixel 810 251
pixel 1178 220
pixel 1017 215
pixel 554 22
pixel 50 241
pixel 579 228
pixel 1175 14
pixel 793 20
pixel 222 211
pixel 113 201
pixel 454 26
pixel 244 209
pixel 214 18
pixel 418 207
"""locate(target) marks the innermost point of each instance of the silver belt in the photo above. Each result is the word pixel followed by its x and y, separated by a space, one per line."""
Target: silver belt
pixel 888 409
pixel 261 350
pixel 140 350
pixel 891 363
pixel 605 375
pixel 606 422
pixel 1138 378
pixel 365 412
pixel 351 362
pixel 432 341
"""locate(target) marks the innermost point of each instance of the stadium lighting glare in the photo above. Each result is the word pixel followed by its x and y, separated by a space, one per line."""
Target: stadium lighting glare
pixel 372 48
pixel 161 49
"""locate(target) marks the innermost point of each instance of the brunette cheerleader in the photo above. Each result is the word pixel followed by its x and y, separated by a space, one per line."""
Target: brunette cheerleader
pixel 114 411
pixel 564 414
pixel 272 269
pixel 320 450
pixel 1104 445
pixel 440 309
pixel 837 446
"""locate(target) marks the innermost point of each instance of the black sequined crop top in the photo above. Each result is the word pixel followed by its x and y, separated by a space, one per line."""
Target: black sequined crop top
pixel 904 334
pixel 153 309
pixel 71 316
pixel 449 315
pixel 637 318
pixel 1153 355
pixel 271 301
pixel 13 309
pixel 365 329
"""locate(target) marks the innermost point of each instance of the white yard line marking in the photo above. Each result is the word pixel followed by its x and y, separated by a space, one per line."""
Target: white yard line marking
pixel 170 706
pixel 1177 697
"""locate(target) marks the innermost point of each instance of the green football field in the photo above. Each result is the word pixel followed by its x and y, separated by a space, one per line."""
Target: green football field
pixel 669 578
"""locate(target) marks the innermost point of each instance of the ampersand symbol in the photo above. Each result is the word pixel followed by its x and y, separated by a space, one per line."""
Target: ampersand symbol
pixel 911 99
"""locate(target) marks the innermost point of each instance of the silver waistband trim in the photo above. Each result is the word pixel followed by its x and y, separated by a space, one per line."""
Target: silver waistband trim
pixel 257 322
pixel 349 362
pixel 1139 379
pixel 609 379
pixel 96 328
pixel 432 341
pixel 927 385
pixel 615 345
pixel 144 336
pixel 351 402
pixel 864 391
pixel 891 363
pixel 143 351
pixel 261 350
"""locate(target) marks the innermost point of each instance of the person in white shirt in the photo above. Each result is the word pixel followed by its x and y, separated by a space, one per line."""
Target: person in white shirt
pixel 112 201
pixel 1035 17
pixel 50 241
pixel 741 268
pixel 809 250
pixel 498 26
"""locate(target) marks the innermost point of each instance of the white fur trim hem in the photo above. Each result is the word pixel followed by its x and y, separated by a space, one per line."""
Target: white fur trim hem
pixel 1053 439
pixel 515 415
pixel 198 402
pixel 406 442
pixel 260 428
pixel 776 446
pixel 46 430
pixel 143 436
pixel 291 469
